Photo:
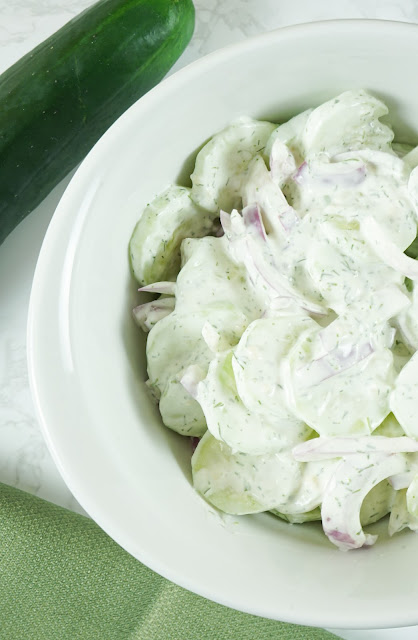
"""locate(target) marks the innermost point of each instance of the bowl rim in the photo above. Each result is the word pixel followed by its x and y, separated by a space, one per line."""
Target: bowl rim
pixel 69 475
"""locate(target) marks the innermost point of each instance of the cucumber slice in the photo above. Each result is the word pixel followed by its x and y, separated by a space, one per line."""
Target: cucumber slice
pixel 299 518
pixel 348 122
pixel 180 411
pixel 344 251
pixel 256 364
pixel 221 164
pixel 411 158
pixel 290 133
pixel 402 149
pixel 376 505
pixel 333 397
pixel 178 340
pixel 210 277
pixel 229 420
pixel 408 319
pixel 404 397
pixel 400 517
pixel 390 428
pixel 154 247
pixel 239 483
pixel 175 343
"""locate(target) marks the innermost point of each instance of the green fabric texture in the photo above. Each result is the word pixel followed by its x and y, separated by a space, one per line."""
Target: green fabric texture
pixel 62 577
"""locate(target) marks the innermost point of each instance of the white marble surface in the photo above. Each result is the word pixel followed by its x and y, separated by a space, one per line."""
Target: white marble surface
pixel 24 459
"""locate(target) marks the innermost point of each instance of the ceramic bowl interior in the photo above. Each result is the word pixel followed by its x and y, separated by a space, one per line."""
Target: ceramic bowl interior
pixel 86 356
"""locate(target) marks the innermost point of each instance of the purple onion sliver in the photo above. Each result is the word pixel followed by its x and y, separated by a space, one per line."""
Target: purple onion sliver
pixel 316 372
pixel 300 174
pixel 194 441
pixel 264 272
pixel 341 536
pixel 349 179
pixel 333 363
pixel 252 218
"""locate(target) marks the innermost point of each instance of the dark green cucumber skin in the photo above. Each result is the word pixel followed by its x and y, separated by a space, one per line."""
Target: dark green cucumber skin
pixel 412 250
pixel 58 100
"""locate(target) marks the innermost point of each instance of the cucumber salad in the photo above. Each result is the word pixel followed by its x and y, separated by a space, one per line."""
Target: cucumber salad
pixel 283 333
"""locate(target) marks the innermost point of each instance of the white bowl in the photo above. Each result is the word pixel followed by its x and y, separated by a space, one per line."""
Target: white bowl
pixel 86 357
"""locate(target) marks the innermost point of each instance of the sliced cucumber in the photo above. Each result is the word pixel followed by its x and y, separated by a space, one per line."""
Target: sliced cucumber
pixel 179 340
pixel 175 343
pixel 290 133
pixel 400 517
pixel 209 277
pixel 256 364
pixel 221 164
pixel 348 122
pixel 404 397
pixel 334 400
pixel 377 503
pixel 239 483
pixel 402 149
pixel 390 428
pixel 299 518
pixel 411 158
pixel 154 247
pixel 229 420
pixel 180 411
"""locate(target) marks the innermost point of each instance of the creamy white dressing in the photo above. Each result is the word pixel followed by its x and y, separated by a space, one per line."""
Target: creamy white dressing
pixel 286 340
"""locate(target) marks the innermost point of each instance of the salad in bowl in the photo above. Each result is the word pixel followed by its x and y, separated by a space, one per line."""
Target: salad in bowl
pixel 283 339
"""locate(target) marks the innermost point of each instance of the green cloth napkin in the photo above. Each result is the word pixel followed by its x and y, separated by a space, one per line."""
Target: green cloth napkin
pixel 62 577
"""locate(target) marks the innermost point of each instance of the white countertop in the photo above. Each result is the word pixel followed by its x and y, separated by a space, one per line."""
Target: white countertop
pixel 24 459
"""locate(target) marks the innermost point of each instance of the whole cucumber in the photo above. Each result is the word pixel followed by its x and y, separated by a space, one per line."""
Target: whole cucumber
pixel 58 100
